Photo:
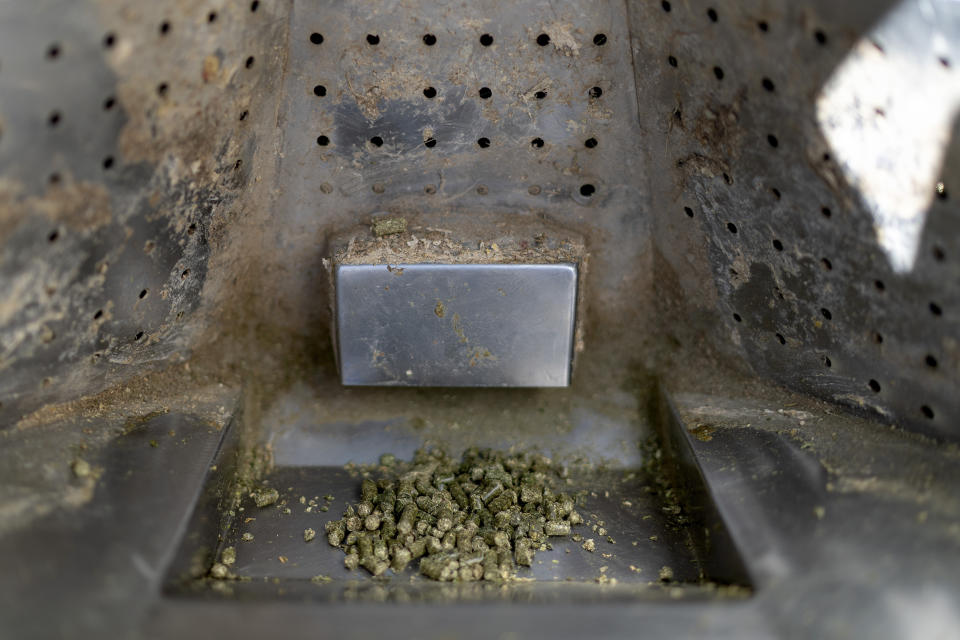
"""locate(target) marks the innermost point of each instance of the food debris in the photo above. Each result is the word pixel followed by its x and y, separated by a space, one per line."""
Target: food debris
pixel 265 497
pixel 81 468
pixel 389 226
pixel 819 512
pixel 219 571
pixel 247 537
pixel 666 574
pixel 320 579
pixel 309 534
pixel 477 518
pixel 590 545
pixel 228 556
pixel 283 559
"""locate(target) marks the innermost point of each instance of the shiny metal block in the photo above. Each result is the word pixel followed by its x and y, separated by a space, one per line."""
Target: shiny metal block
pixel 456 325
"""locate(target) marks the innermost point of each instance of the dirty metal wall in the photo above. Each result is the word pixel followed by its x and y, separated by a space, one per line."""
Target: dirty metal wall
pixel 126 136
pixel 171 174
pixel 766 253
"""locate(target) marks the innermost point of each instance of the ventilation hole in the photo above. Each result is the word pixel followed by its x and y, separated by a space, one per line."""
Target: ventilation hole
pixel 429 189
pixel 323 141
pixel 727 179
pixel 254 6
pixel 53 119
pixel 53 51
pixel 826 157
pixel 164 28
pixel 98 314
pixel 533 190
pixel 54 235
pixel 249 62
pixel 732 228
pixel 826 264
pixel 212 16
pixel 600 39
pixel 879 286
pixel 737 317
pixel 162 89
pixel 148 246
pixel 763 26
pixel 185 274
pixel 537 142
pixel 54 178
pixel 108 162
pixel 938 254
pixel 874 386
pixel 316 38
pixel 429 39
pixel 192 229
pixel 877 337
pixel 781 339
pixel 430 143
pixel 826 313
pixel 927 412
pixel 143 293
pixel 712 14
pixel 376 141
pixel 590 143
pixel 826 212
pixel 483 143
pixel 776 193
pixel 772 141
pixel 540 95
pixel 820 37
pixel 486 39
pixel 378 188
pixel 671 61
pixel 767 84
pixel 777 245
pixel 688 211
pixel 595 92
pixel 139 335
pixel 944 62
pixel 109 103
pixel 587 190
pixel 718 72
pixel 482 190
pixel 543 39
pixel 935 309
pixel 827 362
pixel 430 92
pixel 243 115
pixel 931 361
pixel 238 164
pixel 485 92
pixel 373 39
pixel 109 40
pixel 665 5
pixel 320 90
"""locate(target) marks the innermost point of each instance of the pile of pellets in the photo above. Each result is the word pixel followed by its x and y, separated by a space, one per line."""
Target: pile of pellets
pixel 473 519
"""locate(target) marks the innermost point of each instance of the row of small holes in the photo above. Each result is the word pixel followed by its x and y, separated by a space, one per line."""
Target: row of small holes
pixel 430 39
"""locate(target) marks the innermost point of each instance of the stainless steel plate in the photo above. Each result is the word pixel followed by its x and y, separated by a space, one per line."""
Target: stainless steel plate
pixel 456 325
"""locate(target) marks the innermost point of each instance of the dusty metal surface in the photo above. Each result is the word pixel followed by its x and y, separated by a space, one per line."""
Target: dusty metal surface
pixel 173 176
pixel 750 199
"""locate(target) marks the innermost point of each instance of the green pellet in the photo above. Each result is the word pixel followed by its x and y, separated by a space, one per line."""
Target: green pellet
pixel 372 522
pixel 351 561
pixel 368 490
pixel 265 497
pixel 401 558
pixel 557 528
pixel 336 530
